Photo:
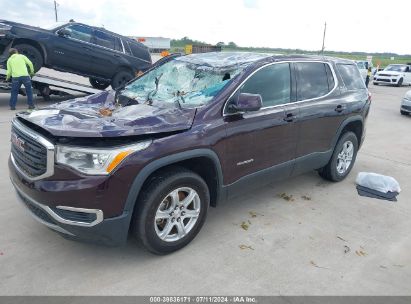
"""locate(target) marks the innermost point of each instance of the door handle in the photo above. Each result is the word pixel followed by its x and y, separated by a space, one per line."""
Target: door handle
pixel 289 117
pixel 339 108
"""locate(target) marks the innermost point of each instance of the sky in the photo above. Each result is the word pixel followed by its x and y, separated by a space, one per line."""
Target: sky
pixel 352 25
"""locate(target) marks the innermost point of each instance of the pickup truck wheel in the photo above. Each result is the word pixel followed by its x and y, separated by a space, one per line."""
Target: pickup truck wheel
pixel 400 82
pixel 99 84
pixel 171 210
pixel 121 78
pixel 31 53
pixel 343 158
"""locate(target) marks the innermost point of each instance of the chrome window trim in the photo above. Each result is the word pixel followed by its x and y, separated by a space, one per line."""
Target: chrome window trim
pixel 336 82
pixel 122 44
pixel 41 140
pixel 55 216
pixel 90 43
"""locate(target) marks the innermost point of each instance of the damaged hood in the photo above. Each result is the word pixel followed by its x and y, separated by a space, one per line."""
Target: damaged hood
pixel 98 116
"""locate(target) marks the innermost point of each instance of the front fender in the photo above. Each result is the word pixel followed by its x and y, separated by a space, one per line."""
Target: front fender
pixel 169 160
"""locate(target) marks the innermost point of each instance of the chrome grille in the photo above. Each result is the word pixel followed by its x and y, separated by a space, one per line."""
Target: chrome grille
pixel 32 154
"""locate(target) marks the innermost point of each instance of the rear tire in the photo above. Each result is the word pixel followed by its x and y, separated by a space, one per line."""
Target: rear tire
pixel 156 210
pixel 31 53
pixel 99 84
pixel 121 78
pixel 342 160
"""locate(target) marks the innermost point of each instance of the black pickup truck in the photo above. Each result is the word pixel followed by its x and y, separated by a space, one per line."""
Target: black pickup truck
pixel 105 57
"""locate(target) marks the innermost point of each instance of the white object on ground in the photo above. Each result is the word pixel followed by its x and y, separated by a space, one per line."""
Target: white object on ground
pixel 378 182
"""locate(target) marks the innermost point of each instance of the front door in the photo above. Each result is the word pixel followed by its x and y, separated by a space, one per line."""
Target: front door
pixel 73 52
pixel 260 146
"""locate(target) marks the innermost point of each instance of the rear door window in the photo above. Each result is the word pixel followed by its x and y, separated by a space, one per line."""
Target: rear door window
pixel 351 76
pixel 105 40
pixel 312 80
pixel 272 83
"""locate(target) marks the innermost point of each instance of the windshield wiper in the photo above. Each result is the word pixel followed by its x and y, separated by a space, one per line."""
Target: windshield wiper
pixel 151 94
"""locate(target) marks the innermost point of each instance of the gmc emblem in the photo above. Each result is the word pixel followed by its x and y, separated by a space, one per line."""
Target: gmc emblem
pixel 17 142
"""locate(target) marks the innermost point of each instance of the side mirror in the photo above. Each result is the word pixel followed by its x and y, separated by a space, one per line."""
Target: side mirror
pixel 63 32
pixel 246 102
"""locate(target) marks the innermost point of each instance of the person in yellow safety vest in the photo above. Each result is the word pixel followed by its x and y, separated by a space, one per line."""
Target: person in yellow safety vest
pixel 19 74
pixel 367 79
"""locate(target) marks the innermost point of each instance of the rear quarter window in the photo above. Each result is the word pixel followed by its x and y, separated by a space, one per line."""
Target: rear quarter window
pixel 135 49
pixel 351 76
pixel 314 79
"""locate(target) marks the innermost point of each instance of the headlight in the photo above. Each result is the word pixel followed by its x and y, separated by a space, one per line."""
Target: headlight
pixel 96 161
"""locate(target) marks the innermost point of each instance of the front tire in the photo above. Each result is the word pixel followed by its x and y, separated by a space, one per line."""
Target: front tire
pixel 342 160
pixel 375 83
pixel 98 84
pixel 171 210
pixel 400 82
pixel 403 112
pixel 31 53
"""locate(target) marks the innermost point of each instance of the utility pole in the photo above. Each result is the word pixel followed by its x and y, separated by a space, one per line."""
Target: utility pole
pixel 325 29
pixel 55 9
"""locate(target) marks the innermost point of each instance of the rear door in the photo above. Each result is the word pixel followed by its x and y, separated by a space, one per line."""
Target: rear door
pixel 262 143
pixel 73 52
pixel 107 54
pixel 324 104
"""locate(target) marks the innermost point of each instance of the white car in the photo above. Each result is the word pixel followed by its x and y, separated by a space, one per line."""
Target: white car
pixel 394 74
pixel 406 104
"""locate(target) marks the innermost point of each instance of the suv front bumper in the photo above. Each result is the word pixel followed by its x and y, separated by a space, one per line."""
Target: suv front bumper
pixel 386 80
pixel 111 231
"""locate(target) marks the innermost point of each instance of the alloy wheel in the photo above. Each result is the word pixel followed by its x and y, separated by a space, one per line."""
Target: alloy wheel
pixel 177 214
pixel 345 157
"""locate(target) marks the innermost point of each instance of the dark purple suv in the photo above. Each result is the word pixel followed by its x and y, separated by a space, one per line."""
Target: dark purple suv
pixel 149 159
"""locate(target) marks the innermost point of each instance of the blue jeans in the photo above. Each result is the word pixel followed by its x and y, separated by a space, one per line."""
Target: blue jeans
pixel 16 83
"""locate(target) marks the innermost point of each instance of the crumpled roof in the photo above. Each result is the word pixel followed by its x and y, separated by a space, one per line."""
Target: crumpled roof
pixel 223 59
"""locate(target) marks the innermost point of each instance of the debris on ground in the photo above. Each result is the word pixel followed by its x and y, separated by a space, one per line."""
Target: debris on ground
pixel 242 247
pixel 249 222
pixel 306 197
pixel 1 253
pixel 377 186
pixel 287 197
pixel 383 267
pixel 315 265
pixel 253 214
pixel 244 225
pixel 397 265
pixel 338 237
pixel 346 249
pixel 360 253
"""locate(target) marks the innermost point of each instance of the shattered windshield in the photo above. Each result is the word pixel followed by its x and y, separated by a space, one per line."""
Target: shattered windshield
pixel 181 81
pixel 396 68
